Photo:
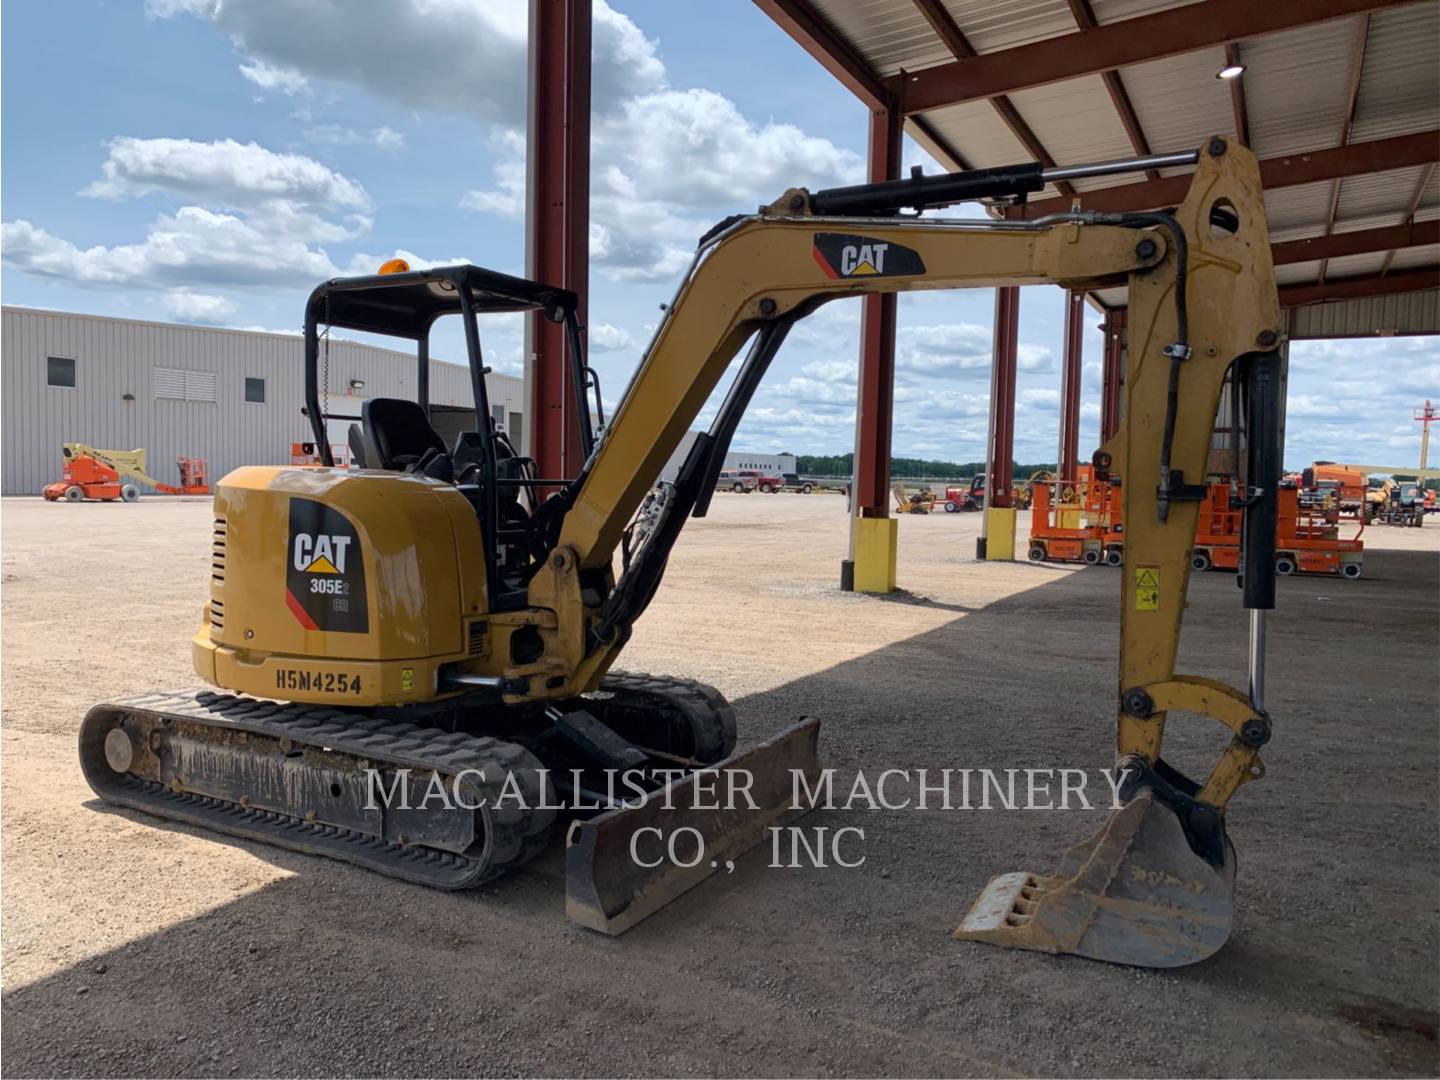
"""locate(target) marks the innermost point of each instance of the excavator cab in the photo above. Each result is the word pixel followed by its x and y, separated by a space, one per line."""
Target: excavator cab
pixel 397 435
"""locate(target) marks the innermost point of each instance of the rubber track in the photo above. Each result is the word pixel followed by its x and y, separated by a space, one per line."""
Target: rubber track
pixel 710 716
pixel 514 834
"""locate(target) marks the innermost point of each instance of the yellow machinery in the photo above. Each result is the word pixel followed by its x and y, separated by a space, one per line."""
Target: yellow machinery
pixel 446 618
pixel 922 502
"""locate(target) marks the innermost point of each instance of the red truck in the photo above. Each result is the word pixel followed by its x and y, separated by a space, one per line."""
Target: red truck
pixel 769 483
pixel 966 498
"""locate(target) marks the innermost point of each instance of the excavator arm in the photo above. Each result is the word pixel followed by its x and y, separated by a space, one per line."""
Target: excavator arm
pixel 1154 887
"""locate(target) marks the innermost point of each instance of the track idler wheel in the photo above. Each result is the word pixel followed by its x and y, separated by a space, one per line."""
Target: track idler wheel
pixel 1137 892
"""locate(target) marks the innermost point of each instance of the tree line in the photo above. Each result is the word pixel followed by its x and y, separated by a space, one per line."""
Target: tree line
pixel 844 465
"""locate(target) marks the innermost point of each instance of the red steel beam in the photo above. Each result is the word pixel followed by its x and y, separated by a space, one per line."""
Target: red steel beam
pixel 1237 95
pixel 813 34
pixel 1359 242
pixel 1001 452
pixel 1070 386
pixel 558 225
pixel 1115 45
pixel 1113 328
pixel 1352 97
pixel 876 406
pixel 1398 152
pixel 1357 287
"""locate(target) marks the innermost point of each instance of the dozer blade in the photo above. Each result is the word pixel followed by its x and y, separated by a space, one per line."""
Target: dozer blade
pixel 1134 893
pixel 621 866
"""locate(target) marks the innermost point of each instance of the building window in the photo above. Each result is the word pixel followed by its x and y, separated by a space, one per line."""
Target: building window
pixel 60 371
pixel 255 390
pixel 497 413
pixel 180 384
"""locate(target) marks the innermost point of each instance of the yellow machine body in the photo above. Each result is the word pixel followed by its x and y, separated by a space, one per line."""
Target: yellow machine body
pixel 344 588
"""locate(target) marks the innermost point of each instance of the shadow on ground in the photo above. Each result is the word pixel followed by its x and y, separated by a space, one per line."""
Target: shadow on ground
pixel 335 971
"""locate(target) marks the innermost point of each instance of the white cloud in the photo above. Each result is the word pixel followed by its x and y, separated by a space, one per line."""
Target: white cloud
pixel 666 165
pixel 666 162
pixel 456 56
pixel 606 338
pixel 194 246
pixel 268 77
pixel 382 138
pixel 261 213
pixel 190 306
pixel 365 263
pixel 223 173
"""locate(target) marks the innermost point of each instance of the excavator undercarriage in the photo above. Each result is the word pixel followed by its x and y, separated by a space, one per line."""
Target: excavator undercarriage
pixel 413 657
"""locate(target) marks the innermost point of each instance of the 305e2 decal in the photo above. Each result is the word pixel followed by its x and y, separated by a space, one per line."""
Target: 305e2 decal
pixel 325 570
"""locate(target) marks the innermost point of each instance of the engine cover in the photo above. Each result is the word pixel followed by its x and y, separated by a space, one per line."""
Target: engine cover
pixel 332 586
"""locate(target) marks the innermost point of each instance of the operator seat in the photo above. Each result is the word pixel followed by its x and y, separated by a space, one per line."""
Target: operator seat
pixel 398 437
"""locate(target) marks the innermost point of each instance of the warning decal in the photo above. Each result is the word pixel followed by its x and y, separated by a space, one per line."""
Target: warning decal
pixel 324 570
pixel 1147 588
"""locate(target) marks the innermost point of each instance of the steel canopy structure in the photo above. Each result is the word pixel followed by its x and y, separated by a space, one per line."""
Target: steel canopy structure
pixel 1340 99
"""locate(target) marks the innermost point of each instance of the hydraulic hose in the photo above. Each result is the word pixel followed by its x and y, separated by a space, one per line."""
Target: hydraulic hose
pixel 1178 351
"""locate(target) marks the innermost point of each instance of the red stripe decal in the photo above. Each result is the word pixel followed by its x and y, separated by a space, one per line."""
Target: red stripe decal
pixel 299 612
pixel 819 258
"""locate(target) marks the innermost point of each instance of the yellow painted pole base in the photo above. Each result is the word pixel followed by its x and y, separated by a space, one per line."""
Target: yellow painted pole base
pixel 875 545
pixel 1000 533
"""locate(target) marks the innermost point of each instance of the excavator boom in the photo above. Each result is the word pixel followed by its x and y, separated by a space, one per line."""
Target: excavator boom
pixel 521 611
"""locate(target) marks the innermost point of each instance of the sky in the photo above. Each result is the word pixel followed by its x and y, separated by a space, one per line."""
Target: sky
pixel 207 162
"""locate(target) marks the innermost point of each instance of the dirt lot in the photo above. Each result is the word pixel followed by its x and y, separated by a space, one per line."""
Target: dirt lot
pixel 135 947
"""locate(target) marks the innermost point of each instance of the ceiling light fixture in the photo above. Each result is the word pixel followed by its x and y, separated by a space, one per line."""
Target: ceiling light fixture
pixel 1230 71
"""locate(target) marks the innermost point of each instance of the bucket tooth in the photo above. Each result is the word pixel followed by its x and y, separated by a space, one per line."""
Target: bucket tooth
pixel 1134 893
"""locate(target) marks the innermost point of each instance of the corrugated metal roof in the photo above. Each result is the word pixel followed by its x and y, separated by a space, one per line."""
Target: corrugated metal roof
pixel 1405 313
pixel 1296 87
pixel 992 25
pixel 1299 211
pixel 1291 111
pixel 1378 195
pixel 1075 121
pixel 1416 257
pixel 1179 101
pixel 1398 87
pixel 889 34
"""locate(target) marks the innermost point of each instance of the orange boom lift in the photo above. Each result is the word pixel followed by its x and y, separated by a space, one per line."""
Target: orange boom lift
pixel 96 474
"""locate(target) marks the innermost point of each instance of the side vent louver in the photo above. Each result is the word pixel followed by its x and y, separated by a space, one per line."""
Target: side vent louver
pixel 217 553
pixel 477 638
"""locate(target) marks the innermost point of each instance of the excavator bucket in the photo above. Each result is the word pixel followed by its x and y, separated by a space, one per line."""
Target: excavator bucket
pixel 629 862
pixel 1134 893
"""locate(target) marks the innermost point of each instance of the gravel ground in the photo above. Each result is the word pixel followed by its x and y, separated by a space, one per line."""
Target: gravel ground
pixel 133 947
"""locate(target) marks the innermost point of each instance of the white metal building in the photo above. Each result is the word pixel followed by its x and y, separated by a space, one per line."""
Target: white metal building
pixel 232 397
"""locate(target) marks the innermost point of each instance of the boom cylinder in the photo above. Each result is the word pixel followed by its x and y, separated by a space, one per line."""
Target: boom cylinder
pixel 1260 380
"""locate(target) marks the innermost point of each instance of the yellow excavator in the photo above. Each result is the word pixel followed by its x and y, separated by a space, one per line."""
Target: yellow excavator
pixel 444 619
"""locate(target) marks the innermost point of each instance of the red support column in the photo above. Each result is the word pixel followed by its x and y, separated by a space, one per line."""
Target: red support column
pixel 557 219
pixel 1001 452
pixel 877 349
pixel 1111 390
pixel 875 407
pixel 1069 457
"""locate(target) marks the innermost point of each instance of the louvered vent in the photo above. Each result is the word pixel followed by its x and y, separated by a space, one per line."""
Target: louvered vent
pixel 217 553
pixel 477 638
pixel 217 615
